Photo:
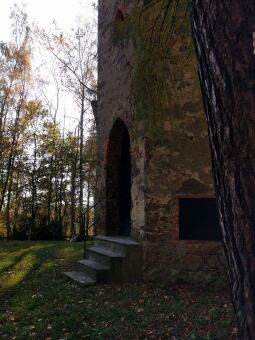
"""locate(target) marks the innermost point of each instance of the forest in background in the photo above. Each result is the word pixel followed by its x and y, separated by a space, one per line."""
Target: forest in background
pixel 47 166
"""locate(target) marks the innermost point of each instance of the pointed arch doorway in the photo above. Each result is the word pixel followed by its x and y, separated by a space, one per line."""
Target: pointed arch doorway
pixel 118 181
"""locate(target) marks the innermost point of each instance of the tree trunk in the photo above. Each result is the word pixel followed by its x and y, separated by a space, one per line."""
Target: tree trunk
pixel 49 199
pixel 61 184
pixel 73 189
pixel 65 217
pixel 34 190
pixel 11 158
pixel 17 200
pixel 8 208
pixel 81 161
pixel 223 34
pixel 87 220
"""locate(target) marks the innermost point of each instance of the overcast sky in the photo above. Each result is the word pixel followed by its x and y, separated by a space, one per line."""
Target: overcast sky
pixel 44 12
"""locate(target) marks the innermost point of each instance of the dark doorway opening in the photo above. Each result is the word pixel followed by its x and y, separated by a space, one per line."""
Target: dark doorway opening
pixel 198 220
pixel 118 181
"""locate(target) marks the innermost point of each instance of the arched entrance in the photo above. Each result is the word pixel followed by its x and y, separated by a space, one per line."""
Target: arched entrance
pixel 118 181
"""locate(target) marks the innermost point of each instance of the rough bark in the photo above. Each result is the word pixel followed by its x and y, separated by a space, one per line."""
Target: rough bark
pixel 223 35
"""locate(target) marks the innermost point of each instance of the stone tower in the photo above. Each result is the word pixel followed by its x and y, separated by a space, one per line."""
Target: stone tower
pixel 154 178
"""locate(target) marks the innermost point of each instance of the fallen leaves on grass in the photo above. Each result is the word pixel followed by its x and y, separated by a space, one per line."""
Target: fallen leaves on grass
pixel 43 305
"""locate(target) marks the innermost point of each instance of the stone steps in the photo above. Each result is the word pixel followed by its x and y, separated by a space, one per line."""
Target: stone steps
pixel 110 259
pixel 80 278
pixel 115 244
pixel 95 270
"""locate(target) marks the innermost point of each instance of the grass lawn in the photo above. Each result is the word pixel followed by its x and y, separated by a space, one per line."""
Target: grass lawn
pixel 37 302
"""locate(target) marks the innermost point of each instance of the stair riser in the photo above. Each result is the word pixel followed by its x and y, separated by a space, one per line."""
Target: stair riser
pixel 92 256
pixel 91 272
pixel 101 276
pixel 112 262
pixel 76 281
pixel 119 248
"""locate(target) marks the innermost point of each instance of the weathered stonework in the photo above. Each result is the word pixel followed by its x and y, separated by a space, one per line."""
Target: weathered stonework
pixel 152 85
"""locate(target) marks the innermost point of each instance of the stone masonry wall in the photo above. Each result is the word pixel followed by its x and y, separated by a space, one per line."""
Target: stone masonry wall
pixel 150 81
pixel 114 76
pixel 178 163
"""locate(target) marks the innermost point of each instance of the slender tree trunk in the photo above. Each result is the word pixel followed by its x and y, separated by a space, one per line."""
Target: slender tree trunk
pixel 6 181
pixel 223 34
pixel 61 184
pixel 11 155
pixel 8 207
pixel 87 221
pixel 56 189
pixel 17 201
pixel 4 108
pixel 34 190
pixel 73 186
pixel 65 218
pixel 81 174
pixel 50 193
pixel 73 189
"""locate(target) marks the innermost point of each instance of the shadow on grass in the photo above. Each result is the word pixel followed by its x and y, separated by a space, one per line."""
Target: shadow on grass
pixel 43 305
pixel 28 258
pixel 31 279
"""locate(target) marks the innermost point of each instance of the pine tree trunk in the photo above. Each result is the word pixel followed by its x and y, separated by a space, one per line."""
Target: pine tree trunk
pixel 223 34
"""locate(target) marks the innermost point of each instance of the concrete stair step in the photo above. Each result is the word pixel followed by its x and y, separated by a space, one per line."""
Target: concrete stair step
pixel 80 278
pixel 106 252
pixel 110 259
pixel 103 255
pixel 94 265
pixel 95 270
pixel 123 240
pixel 119 244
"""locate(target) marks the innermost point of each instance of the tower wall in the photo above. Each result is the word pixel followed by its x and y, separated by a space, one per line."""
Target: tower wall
pixel 148 78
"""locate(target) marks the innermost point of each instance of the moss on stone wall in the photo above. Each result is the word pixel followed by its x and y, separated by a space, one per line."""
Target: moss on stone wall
pixel 121 32
pixel 164 66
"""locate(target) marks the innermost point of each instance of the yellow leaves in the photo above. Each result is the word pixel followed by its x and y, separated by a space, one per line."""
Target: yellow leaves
pixel 17 65
pixel 24 56
pixel 14 74
pixel 33 106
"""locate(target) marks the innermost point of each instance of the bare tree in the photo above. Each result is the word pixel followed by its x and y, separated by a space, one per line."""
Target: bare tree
pixel 76 55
